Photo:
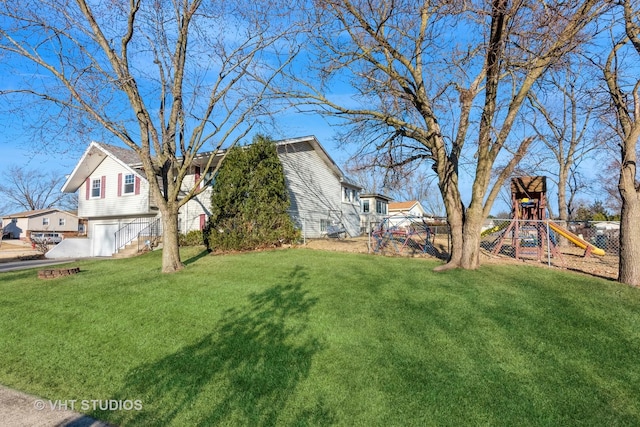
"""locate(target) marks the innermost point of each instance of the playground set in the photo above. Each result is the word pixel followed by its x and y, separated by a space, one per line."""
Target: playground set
pixel 527 235
pixel 398 233
pixel 529 231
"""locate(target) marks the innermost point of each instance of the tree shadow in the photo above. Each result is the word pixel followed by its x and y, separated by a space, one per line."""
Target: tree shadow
pixel 242 373
pixel 195 258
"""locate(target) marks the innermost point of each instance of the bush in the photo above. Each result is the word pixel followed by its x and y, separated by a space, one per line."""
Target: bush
pixel 249 200
pixel 192 238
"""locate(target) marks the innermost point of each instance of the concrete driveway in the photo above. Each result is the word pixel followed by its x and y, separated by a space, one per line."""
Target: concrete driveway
pixel 23 265
pixel 19 409
pixel 13 252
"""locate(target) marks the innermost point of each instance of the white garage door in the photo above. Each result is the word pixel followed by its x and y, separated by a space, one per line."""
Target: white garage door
pixel 104 239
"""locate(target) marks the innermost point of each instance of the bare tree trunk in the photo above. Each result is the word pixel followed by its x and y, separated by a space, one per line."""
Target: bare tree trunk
pixel 455 218
pixel 171 261
pixel 471 233
pixel 629 268
pixel 627 106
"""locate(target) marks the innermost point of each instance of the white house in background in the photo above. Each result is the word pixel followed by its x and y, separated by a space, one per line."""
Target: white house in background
pixel 373 209
pixel 401 213
pixel 115 198
pixel 409 208
pixel 20 225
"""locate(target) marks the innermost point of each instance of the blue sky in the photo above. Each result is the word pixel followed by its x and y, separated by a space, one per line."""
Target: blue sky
pixel 16 148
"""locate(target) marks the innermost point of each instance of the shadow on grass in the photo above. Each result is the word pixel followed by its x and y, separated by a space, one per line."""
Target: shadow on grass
pixel 242 373
pixel 195 258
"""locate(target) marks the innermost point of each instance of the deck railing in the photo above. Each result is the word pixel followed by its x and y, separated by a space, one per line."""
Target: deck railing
pixel 150 235
pixel 130 231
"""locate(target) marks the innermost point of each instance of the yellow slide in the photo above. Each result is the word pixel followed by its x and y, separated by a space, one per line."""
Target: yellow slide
pixel 575 239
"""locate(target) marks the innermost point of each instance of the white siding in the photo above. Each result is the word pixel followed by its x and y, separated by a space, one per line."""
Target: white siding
pixel 190 213
pixel 315 191
pixel 112 205
pixel 370 220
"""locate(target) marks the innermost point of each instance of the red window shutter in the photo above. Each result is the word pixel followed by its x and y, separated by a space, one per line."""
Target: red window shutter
pixel 119 184
pixel 103 187
pixel 198 175
pixel 203 218
pixel 88 192
pixel 137 190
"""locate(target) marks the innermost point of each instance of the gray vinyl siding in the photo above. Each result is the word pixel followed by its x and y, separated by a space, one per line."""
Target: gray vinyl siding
pixel 315 191
pixel 112 205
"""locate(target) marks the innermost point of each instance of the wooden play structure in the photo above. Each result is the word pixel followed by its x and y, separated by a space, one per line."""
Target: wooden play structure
pixel 529 233
pixel 526 234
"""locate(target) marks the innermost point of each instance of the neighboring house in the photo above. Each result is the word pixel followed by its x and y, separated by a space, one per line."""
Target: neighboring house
pixel 402 212
pixel 114 194
pixel 21 225
pixel 409 208
pixel 373 209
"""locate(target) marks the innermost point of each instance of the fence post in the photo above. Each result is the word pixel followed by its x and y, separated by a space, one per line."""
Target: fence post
pixel 548 244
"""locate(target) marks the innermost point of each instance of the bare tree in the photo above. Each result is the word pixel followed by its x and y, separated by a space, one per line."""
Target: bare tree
pixel 624 91
pixel 167 78
pixel 427 75
pixel 609 178
pixel 564 102
pixel 372 176
pixel 32 190
pixel 405 182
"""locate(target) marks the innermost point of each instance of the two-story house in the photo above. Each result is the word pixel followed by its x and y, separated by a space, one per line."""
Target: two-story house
pixel 114 195
pixel 20 225
pixel 374 208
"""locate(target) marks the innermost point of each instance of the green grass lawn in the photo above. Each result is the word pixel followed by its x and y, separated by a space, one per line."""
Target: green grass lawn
pixel 299 337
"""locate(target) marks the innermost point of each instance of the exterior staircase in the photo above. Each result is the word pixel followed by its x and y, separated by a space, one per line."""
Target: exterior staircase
pixel 134 239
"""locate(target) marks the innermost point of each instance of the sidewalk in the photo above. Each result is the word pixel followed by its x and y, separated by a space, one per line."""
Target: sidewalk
pixel 18 409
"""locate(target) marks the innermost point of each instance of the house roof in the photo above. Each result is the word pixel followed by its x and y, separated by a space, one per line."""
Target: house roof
pixel 126 155
pixel 376 196
pixel 201 159
pixel 29 214
pixel 313 141
pixel 97 152
pixel 406 206
pixel 403 206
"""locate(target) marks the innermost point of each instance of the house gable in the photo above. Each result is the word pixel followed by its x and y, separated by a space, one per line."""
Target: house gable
pixel 108 187
pixel 93 156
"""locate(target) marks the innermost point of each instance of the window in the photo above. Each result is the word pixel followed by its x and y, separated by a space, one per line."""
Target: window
pixel 45 221
pixel 324 224
pixel 365 206
pixel 349 195
pixel 346 193
pixel 129 184
pixel 95 187
pixel 381 207
pixel 61 221
pixel 209 177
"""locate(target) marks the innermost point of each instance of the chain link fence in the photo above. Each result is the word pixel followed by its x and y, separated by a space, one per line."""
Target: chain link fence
pixel 589 247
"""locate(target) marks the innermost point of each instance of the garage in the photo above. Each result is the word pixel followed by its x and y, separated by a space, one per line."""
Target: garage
pixel 104 239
